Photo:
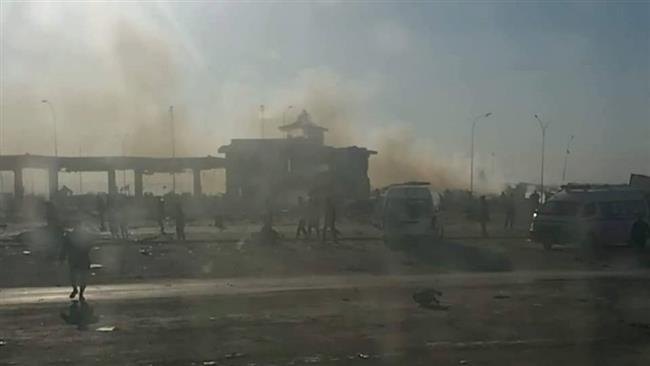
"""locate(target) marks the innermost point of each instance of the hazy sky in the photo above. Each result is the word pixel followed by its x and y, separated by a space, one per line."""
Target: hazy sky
pixel 385 72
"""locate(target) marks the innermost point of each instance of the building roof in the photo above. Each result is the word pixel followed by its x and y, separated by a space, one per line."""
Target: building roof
pixel 303 122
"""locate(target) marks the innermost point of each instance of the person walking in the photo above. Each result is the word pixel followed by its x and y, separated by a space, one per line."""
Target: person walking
pixel 160 214
pixel 330 220
pixel 639 232
pixel 510 211
pixel 484 216
pixel 302 220
pixel 313 220
pixel 76 249
pixel 180 222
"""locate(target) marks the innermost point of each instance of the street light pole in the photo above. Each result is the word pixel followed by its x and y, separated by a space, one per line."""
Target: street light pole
pixel 471 167
pixel 56 147
pixel 171 122
pixel 284 115
pixel 566 158
pixel 124 171
pixel 543 126
pixel 262 119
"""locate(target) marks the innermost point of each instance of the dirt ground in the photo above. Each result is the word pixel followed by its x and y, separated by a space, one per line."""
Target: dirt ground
pixel 600 322
pixel 562 321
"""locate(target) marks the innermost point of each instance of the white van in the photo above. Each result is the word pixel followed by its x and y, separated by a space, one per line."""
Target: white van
pixel 409 214
pixel 588 215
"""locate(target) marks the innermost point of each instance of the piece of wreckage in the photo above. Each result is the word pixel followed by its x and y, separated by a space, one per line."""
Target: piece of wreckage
pixel 428 299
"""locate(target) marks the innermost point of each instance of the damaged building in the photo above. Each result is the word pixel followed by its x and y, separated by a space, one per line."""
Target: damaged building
pixel 300 164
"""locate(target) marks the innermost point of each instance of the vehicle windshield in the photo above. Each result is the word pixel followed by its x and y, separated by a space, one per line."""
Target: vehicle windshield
pixel 324 182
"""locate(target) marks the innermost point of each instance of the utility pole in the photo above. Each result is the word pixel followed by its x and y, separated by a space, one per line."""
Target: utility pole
pixel 81 183
pixel 262 120
pixel 566 158
pixel 53 114
pixel 171 122
pixel 471 167
pixel 543 126
pixel 124 170
pixel 284 115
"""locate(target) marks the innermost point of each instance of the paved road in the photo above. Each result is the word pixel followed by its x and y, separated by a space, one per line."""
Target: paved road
pixel 185 288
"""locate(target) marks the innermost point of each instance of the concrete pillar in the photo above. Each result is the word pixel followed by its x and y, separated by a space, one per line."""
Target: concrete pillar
pixel 137 175
pixel 53 175
pixel 112 187
pixel 197 182
pixel 19 188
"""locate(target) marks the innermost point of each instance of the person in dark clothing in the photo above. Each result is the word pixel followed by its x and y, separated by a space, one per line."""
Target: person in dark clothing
pixel 302 220
pixel 160 215
pixel 123 219
pixel 533 204
pixel 113 219
pixel 180 222
pixel 76 249
pixel 330 220
pixel 313 219
pixel 510 211
pixel 484 216
pixel 639 232
pixel 101 212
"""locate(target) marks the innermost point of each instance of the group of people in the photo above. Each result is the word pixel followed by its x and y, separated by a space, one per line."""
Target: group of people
pixel 309 215
pixel 179 218
pixel 114 210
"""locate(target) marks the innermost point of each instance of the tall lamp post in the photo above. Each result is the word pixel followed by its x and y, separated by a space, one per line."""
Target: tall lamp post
pixel 471 167
pixel 284 115
pixel 53 114
pixel 171 123
pixel 543 126
pixel 566 158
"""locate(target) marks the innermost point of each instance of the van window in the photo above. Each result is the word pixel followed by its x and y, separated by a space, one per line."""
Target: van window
pixel 561 208
pixel 412 208
pixel 621 209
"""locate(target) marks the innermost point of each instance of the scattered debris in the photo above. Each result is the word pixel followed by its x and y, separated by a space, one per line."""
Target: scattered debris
pixel 3 342
pixel 312 359
pixel 229 356
pixel 501 296
pixel 363 356
pixel 209 363
pixel 96 266
pixel 346 299
pixel 107 329
pixel 27 252
pixel 145 251
pixel 463 362
pixel 428 298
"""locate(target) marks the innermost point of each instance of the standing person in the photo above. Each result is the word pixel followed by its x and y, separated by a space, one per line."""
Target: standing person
pixel 510 211
pixel 123 218
pixel 101 211
pixel 639 232
pixel 302 221
pixel 76 249
pixel 113 220
pixel 534 203
pixel 484 216
pixel 160 214
pixel 180 222
pixel 313 221
pixel 330 220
